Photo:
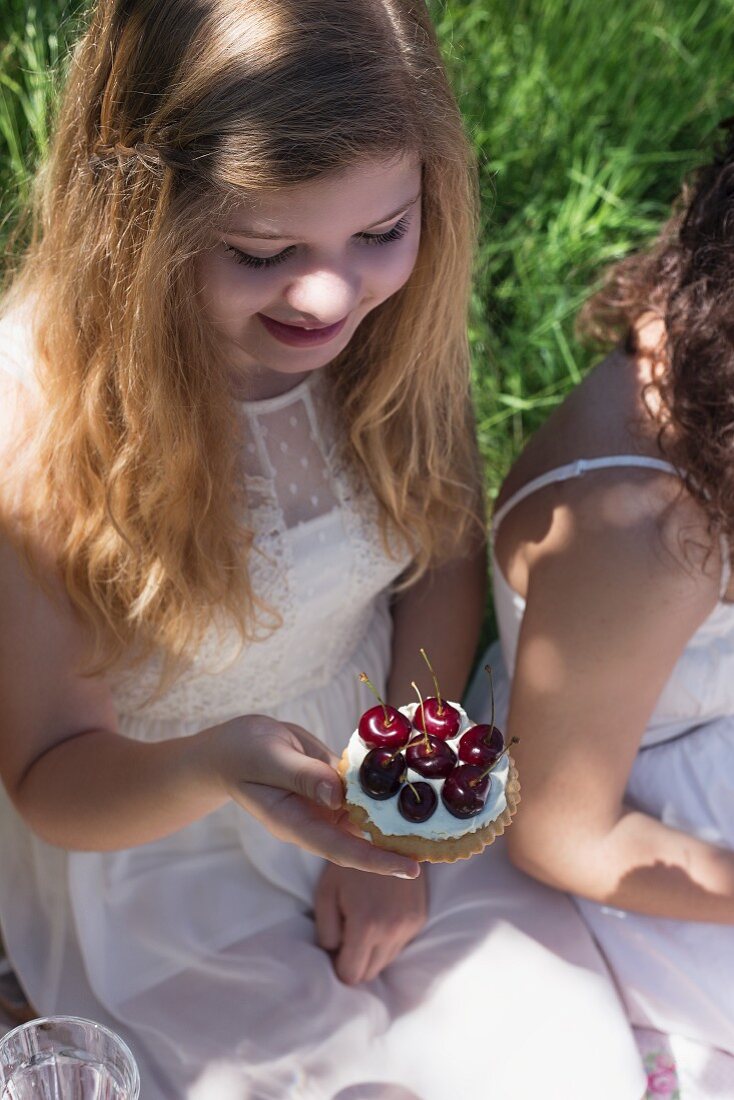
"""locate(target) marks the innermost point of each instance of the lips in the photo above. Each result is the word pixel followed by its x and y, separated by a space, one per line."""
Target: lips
pixel 298 337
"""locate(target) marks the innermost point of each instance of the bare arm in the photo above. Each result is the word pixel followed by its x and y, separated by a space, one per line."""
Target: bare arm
pixel 611 602
pixel 80 784
pixel 442 613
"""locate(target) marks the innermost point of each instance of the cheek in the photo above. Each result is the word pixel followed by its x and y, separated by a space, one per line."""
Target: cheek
pixel 231 291
pixel 389 272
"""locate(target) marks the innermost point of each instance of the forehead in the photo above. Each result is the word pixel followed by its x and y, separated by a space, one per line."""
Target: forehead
pixel 365 192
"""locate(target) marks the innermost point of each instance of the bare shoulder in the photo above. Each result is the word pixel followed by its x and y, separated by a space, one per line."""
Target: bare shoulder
pixel 645 510
pixel 24 587
pixel 19 428
pixel 606 414
pixel 44 647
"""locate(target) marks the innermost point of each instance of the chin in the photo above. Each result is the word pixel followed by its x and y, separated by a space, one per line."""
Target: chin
pixel 301 362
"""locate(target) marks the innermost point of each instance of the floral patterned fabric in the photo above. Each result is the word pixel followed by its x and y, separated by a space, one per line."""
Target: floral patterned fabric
pixel 659 1063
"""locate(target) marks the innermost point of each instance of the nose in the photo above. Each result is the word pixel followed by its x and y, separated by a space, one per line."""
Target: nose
pixel 324 295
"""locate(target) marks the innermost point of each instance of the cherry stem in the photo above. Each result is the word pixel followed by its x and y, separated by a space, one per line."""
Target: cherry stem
pixel 485 773
pixel 423 714
pixel 488 670
pixel 414 790
pixel 364 679
pixel 424 655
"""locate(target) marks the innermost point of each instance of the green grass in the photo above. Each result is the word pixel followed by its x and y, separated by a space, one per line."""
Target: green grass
pixel 33 45
pixel 585 117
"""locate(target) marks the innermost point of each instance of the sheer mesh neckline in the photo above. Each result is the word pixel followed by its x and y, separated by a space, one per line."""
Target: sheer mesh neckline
pixel 281 400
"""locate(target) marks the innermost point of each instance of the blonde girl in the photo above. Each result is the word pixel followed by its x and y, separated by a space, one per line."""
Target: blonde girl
pixel 238 469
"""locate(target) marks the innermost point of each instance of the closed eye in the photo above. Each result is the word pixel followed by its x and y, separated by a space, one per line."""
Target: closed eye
pixel 397 232
pixel 257 262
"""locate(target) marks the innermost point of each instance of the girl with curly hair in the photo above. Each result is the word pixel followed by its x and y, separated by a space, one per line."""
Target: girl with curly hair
pixel 612 547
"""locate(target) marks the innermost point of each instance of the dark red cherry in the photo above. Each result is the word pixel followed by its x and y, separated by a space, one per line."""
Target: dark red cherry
pixel 465 791
pixel 442 719
pixel 381 773
pixel 417 801
pixel 435 760
pixel 481 745
pixel 384 728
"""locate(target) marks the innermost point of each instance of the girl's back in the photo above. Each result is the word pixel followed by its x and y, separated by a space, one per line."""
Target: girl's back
pixel 612 587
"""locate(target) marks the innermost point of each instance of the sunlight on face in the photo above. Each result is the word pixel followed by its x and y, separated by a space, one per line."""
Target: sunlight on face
pixel 295 271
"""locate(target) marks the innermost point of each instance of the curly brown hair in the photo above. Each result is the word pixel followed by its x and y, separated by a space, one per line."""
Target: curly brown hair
pixel 687 280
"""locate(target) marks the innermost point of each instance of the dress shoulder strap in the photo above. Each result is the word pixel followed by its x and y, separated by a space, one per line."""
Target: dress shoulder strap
pixel 584 465
pixel 577 469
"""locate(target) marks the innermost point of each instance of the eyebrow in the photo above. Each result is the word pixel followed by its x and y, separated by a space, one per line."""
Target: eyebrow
pixel 244 231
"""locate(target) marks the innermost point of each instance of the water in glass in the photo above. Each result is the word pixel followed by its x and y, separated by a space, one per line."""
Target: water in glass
pixel 64 1075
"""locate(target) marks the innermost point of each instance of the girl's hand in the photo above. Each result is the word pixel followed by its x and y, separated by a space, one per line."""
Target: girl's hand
pixel 367 921
pixel 286 778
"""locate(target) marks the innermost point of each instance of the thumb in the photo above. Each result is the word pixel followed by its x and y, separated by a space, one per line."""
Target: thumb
pixel 283 763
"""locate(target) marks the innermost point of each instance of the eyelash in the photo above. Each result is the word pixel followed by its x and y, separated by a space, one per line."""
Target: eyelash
pixel 258 262
pixel 397 232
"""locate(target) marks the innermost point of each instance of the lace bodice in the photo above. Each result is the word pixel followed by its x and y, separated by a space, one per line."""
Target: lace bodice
pixel 317 561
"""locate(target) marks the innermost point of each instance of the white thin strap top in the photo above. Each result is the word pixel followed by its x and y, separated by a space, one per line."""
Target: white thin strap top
pixel 16 349
pixel 584 465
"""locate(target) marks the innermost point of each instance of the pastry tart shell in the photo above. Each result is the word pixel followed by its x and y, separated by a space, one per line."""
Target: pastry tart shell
pixel 448 850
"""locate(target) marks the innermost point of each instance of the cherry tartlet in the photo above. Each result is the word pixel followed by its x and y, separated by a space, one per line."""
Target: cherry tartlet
pixel 436 795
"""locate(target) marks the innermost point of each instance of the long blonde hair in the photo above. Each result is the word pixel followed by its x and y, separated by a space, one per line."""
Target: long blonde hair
pixel 173 109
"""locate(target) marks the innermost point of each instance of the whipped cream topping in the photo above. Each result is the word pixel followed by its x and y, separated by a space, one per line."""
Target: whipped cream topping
pixel 441 825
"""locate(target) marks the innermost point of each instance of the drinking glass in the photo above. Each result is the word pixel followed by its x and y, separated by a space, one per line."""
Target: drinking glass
pixel 66 1058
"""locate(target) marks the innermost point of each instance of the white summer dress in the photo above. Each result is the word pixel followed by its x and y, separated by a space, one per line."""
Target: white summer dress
pixel 676 977
pixel 199 949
